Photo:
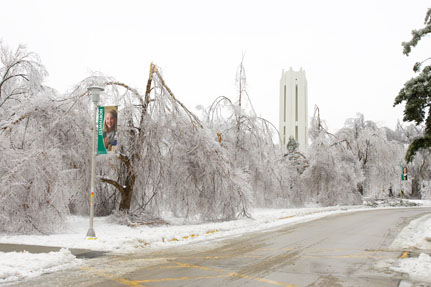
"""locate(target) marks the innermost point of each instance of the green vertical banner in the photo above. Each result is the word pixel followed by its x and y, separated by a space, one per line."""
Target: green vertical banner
pixel 100 146
pixel 107 130
pixel 404 173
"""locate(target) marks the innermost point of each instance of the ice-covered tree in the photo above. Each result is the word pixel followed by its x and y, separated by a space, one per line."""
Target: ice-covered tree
pixel 33 173
pixel 43 163
pixel 419 169
pixel 379 158
pixel 248 139
pixel 333 172
pixel 167 160
pixel 292 145
pixel 21 76
pixel 416 93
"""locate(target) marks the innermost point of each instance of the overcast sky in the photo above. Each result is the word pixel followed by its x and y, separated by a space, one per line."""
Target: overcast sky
pixel 350 50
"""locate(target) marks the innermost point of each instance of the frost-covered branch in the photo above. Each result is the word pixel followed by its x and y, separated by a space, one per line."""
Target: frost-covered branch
pixel 21 73
pixel 192 116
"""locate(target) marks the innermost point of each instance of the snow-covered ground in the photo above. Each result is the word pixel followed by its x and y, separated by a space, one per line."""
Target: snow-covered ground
pixel 20 265
pixel 117 238
pixel 415 236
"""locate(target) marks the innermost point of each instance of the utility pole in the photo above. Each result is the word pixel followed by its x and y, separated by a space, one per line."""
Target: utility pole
pixel 94 92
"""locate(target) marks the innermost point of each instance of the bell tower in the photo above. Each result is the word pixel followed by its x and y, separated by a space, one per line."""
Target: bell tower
pixel 293 120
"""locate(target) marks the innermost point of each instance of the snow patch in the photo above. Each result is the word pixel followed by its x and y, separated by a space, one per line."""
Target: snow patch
pixel 415 235
pixel 20 265
pixel 419 269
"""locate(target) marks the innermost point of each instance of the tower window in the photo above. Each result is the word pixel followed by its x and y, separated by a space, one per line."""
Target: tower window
pixel 284 114
pixel 296 102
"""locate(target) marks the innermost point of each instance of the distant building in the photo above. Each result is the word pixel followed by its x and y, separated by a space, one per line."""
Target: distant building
pixel 294 108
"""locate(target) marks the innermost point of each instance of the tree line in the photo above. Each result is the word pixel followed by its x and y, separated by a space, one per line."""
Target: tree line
pixel 215 166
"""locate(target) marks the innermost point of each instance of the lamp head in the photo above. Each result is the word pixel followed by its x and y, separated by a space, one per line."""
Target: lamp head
pixel 95 92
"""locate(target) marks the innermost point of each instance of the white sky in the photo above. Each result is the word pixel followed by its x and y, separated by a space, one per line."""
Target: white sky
pixel 351 50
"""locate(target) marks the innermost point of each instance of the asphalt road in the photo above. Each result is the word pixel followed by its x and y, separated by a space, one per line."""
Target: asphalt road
pixel 338 250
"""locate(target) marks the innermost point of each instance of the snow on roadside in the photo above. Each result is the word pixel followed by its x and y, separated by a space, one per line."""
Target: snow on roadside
pixel 416 235
pixel 126 239
pixel 419 269
pixel 19 265
pixel 117 238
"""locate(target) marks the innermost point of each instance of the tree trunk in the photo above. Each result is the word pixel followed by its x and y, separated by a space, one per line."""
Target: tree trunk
pixel 130 162
pixel 415 189
pixel 361 188
pixel 126 199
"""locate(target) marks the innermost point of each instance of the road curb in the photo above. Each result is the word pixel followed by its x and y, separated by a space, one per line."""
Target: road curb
pixel 79 253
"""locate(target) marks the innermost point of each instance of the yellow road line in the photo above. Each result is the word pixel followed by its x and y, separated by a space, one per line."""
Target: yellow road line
pixel 111 277
pixel 234 274
pixel 346 256
pixel 266 249
pixel 186 265
pixel 184 278
pixel 128 282
pixel 268 281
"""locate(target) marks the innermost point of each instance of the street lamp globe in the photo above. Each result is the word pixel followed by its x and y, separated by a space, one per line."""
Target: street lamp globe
pixel 95 92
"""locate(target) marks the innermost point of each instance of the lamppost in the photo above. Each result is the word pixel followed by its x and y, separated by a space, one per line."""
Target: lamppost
pixel 95 94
